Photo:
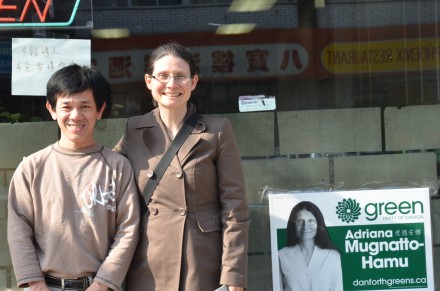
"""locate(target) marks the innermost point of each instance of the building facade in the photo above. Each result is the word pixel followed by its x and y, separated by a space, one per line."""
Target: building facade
pixel 323 95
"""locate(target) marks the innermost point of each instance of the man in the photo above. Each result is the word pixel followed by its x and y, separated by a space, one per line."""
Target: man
pixel 73 208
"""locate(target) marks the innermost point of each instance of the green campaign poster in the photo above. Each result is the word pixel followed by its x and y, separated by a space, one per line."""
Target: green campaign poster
pixel 352 240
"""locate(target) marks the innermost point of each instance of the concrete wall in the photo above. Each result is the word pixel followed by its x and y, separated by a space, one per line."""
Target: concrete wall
pixel 17 141
pixel 317 149
pixel 343 149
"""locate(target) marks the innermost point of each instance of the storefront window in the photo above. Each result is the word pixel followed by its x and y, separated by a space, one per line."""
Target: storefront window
pixel 324 96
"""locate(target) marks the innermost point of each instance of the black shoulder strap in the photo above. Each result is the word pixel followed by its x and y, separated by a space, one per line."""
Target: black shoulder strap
pixel 168 156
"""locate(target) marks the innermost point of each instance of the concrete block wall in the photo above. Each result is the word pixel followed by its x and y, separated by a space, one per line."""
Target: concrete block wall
pixel 315 149
pixel 21 139
pixel 17 141
pixel 329 131
pixel 412 128
pixel 109 131
pixel 284 174
pixel 319 149
pixel 386 170
pixel 260 132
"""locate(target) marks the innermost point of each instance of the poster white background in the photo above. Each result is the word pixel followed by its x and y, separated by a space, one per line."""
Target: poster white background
pixel 280 206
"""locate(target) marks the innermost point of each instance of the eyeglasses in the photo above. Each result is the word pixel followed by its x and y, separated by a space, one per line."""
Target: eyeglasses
pixel 310 222
pixel 164 78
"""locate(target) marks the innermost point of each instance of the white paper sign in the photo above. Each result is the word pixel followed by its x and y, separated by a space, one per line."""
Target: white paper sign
pixel 34 60
pixel 256 103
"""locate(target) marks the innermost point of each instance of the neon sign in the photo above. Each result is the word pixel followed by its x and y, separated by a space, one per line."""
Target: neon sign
pixel 37 13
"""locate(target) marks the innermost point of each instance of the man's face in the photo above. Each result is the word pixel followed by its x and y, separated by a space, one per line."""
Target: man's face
pixel 76 115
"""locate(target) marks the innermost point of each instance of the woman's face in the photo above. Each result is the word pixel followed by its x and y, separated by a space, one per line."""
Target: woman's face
pixel 172 94
pixel 306 225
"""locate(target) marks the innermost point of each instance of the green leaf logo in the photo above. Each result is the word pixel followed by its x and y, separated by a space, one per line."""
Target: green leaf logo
pixel 348 210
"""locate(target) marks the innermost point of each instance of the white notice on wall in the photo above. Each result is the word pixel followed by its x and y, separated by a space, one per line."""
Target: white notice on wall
pixel 34 60
pixel 256 103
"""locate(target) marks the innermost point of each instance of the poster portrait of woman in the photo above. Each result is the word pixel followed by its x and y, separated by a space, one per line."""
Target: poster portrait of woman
pixel 309 261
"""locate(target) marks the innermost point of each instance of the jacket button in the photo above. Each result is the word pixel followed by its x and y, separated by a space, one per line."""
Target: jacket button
pixel 153 210
pixel 179 174
pixel 182 211
pixel 150 174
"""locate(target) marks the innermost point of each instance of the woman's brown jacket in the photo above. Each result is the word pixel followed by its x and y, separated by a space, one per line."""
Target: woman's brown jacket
pixel 195 233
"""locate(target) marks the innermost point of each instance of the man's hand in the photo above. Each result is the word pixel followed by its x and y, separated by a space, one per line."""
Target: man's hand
pixel 38 286
pixel 96 286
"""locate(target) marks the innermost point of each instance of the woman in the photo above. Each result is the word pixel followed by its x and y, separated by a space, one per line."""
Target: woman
pixel 194 234
pixel 310 261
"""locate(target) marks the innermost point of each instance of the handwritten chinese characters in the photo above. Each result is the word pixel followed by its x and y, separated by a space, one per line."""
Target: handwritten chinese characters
pixel 35 60
pixel 40 59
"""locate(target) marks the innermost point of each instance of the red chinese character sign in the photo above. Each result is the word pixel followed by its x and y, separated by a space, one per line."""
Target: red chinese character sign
pixel 43 13
pixel 264 60
pixel 119 67
pixel 222 61
pixel 34 60
pixel 215 62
